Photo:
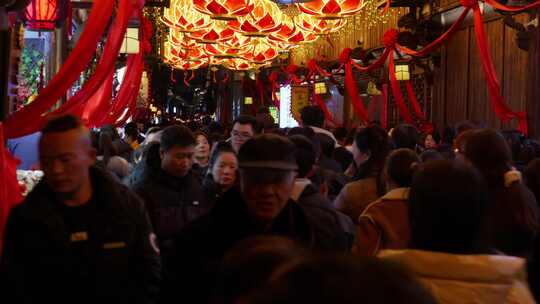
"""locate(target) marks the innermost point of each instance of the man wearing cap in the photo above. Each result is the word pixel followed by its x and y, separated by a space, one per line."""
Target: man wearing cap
pixel 261 206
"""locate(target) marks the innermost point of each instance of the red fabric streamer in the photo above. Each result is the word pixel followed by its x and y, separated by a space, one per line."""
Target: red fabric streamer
pixel 98 105
pixel 441 40
pixel 273 81
pixel 10 191
pixel 499 106
pixel 327 115
pixel 390 38
pixel 414 101
pixel 23 122
pixel 352 90
pixel 396 91
pixel 514 9
pixel 384 112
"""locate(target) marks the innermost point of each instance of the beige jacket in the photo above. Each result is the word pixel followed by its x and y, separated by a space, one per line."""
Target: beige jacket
pixel 356 196
pixel 384 224
pixel 467 279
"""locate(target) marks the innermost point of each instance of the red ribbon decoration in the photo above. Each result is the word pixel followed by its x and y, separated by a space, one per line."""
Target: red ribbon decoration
pixel 273 81
pixel 352 88
pixel 414 101
pixel 437 43
pixel 396 91
pixel 27 120
pixel 327 115
pixel 514 9
pixel 501 109
pixel 10 191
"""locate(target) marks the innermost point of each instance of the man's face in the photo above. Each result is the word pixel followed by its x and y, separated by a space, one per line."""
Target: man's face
pixel 177 160
pixel 240 134
pixel 65 158
pixel 266 191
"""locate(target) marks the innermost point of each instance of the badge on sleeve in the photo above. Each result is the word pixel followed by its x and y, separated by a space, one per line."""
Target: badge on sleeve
pixel 153 242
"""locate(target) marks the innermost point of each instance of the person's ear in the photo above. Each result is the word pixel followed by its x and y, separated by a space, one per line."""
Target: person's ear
pixel 161 154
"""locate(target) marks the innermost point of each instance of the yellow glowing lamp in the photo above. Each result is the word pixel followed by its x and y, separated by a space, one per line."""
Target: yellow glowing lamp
pixel 402 72
pixel 320 88
pixel 248 100
pixel 130 44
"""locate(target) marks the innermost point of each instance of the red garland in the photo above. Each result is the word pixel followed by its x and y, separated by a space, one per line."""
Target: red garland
pixel 437 43
pixel 327 115
pixel 273 81
pixel 29 119
pixel 414 101
pixel 501 109
pixel 352 90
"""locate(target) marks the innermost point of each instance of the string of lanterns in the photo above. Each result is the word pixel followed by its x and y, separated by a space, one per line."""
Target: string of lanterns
pixel 247 34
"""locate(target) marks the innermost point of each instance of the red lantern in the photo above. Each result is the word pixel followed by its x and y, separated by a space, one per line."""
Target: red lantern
pixel 265 18
pixel 292 35
pixel 318 26
pixel 224 9
pixel 331 9
pixel 44 15
pixel 260 52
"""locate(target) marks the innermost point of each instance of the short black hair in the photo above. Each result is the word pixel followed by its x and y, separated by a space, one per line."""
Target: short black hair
pixel 405 136
pixel 340 133
pixel 430 154
pixel 176 135
pixel 305 154
pixel 247 120
pixel 219 147
pixel 327 144
pixel 400 166
pixel 447 208
pixel 312 116
pixel 131 130
pixel 62 123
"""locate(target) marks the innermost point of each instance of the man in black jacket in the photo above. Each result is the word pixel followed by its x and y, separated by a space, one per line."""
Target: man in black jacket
pixel 261 207
pixel 79 237
pixel 171 192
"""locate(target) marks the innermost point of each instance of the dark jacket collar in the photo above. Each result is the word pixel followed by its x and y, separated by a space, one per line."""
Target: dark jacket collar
pixel 232 216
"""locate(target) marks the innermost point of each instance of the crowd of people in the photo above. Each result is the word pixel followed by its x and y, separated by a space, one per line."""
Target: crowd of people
pixel 258 214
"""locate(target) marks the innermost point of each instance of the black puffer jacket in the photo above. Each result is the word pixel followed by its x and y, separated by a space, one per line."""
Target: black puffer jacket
pixel 172 202
pixel 39 266
pixel 199 249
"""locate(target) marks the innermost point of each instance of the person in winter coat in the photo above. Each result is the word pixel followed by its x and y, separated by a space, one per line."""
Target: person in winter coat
pixel 172 194
pixel 222 174
pixel 512 221
pixel 261 206
pixel 385 222
pixel 448 251
pixel 80 236
pixel 317 207
pixel 370 149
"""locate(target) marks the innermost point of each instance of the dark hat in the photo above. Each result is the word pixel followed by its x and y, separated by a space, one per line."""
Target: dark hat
pixel 268 151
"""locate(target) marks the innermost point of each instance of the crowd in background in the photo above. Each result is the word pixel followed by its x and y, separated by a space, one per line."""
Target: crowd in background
pixel 251 213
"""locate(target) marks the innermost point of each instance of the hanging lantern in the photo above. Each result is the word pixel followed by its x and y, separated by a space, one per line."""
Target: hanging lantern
pixel 260 52
pixel 231 48
pixel 217 32
pixel 291 35
pixel 320 88
pixel 264 19
pixel 44 15
pixel 331 9
pixel 402 72
pixel 181 40
pixel 190 65
pixel 318 26
pixel 248 100
pixel 130 44
pixel 182 16
pixel 224 9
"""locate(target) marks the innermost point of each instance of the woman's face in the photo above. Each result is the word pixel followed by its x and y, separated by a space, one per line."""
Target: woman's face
pixel 224 169
pixel 429 142
pixel 202 149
